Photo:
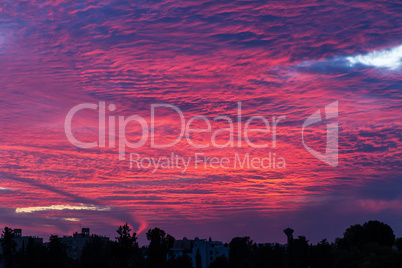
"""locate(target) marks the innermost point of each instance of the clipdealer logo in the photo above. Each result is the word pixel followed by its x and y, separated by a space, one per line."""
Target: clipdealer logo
pixel 330 156
pixel 236 138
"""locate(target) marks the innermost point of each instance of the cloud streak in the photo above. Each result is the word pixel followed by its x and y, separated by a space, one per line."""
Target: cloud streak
pixel 61 207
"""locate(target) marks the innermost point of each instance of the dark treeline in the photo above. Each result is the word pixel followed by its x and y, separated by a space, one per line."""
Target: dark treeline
pixel 372 244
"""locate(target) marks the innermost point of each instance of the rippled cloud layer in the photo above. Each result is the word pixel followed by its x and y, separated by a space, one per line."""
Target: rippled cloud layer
pixel 278 58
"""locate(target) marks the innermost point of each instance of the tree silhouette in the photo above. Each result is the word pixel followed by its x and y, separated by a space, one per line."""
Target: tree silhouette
pixel 57 253
pixel 9 246
pixel 269 256
pixel 368 245
pixel 370 232
pixel 183 261
pixel 371 244
pixel 126 249
pixel 96 253
pixel 240 252
pixel 398 243
pixel 298 250
pixel 321 255
pixel 198 260
pixel 379 232
pixel 220 262
pixel 159 246
pixel 125 239
pixel 32 254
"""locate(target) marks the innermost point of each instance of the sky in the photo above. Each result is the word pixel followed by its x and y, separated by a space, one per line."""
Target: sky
pixel 274 59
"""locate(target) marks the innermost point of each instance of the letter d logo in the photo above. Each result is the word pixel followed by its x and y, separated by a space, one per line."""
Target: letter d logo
pixel 331 150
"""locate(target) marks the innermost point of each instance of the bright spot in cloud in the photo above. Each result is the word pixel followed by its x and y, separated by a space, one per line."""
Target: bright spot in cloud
pixel 62 207
pixel 5 189
pixel 71 219
pixel 387 58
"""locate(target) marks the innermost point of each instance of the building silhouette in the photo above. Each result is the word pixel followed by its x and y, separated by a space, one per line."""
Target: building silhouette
pixel 76 243
pixel 208 250
pixel 21 242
